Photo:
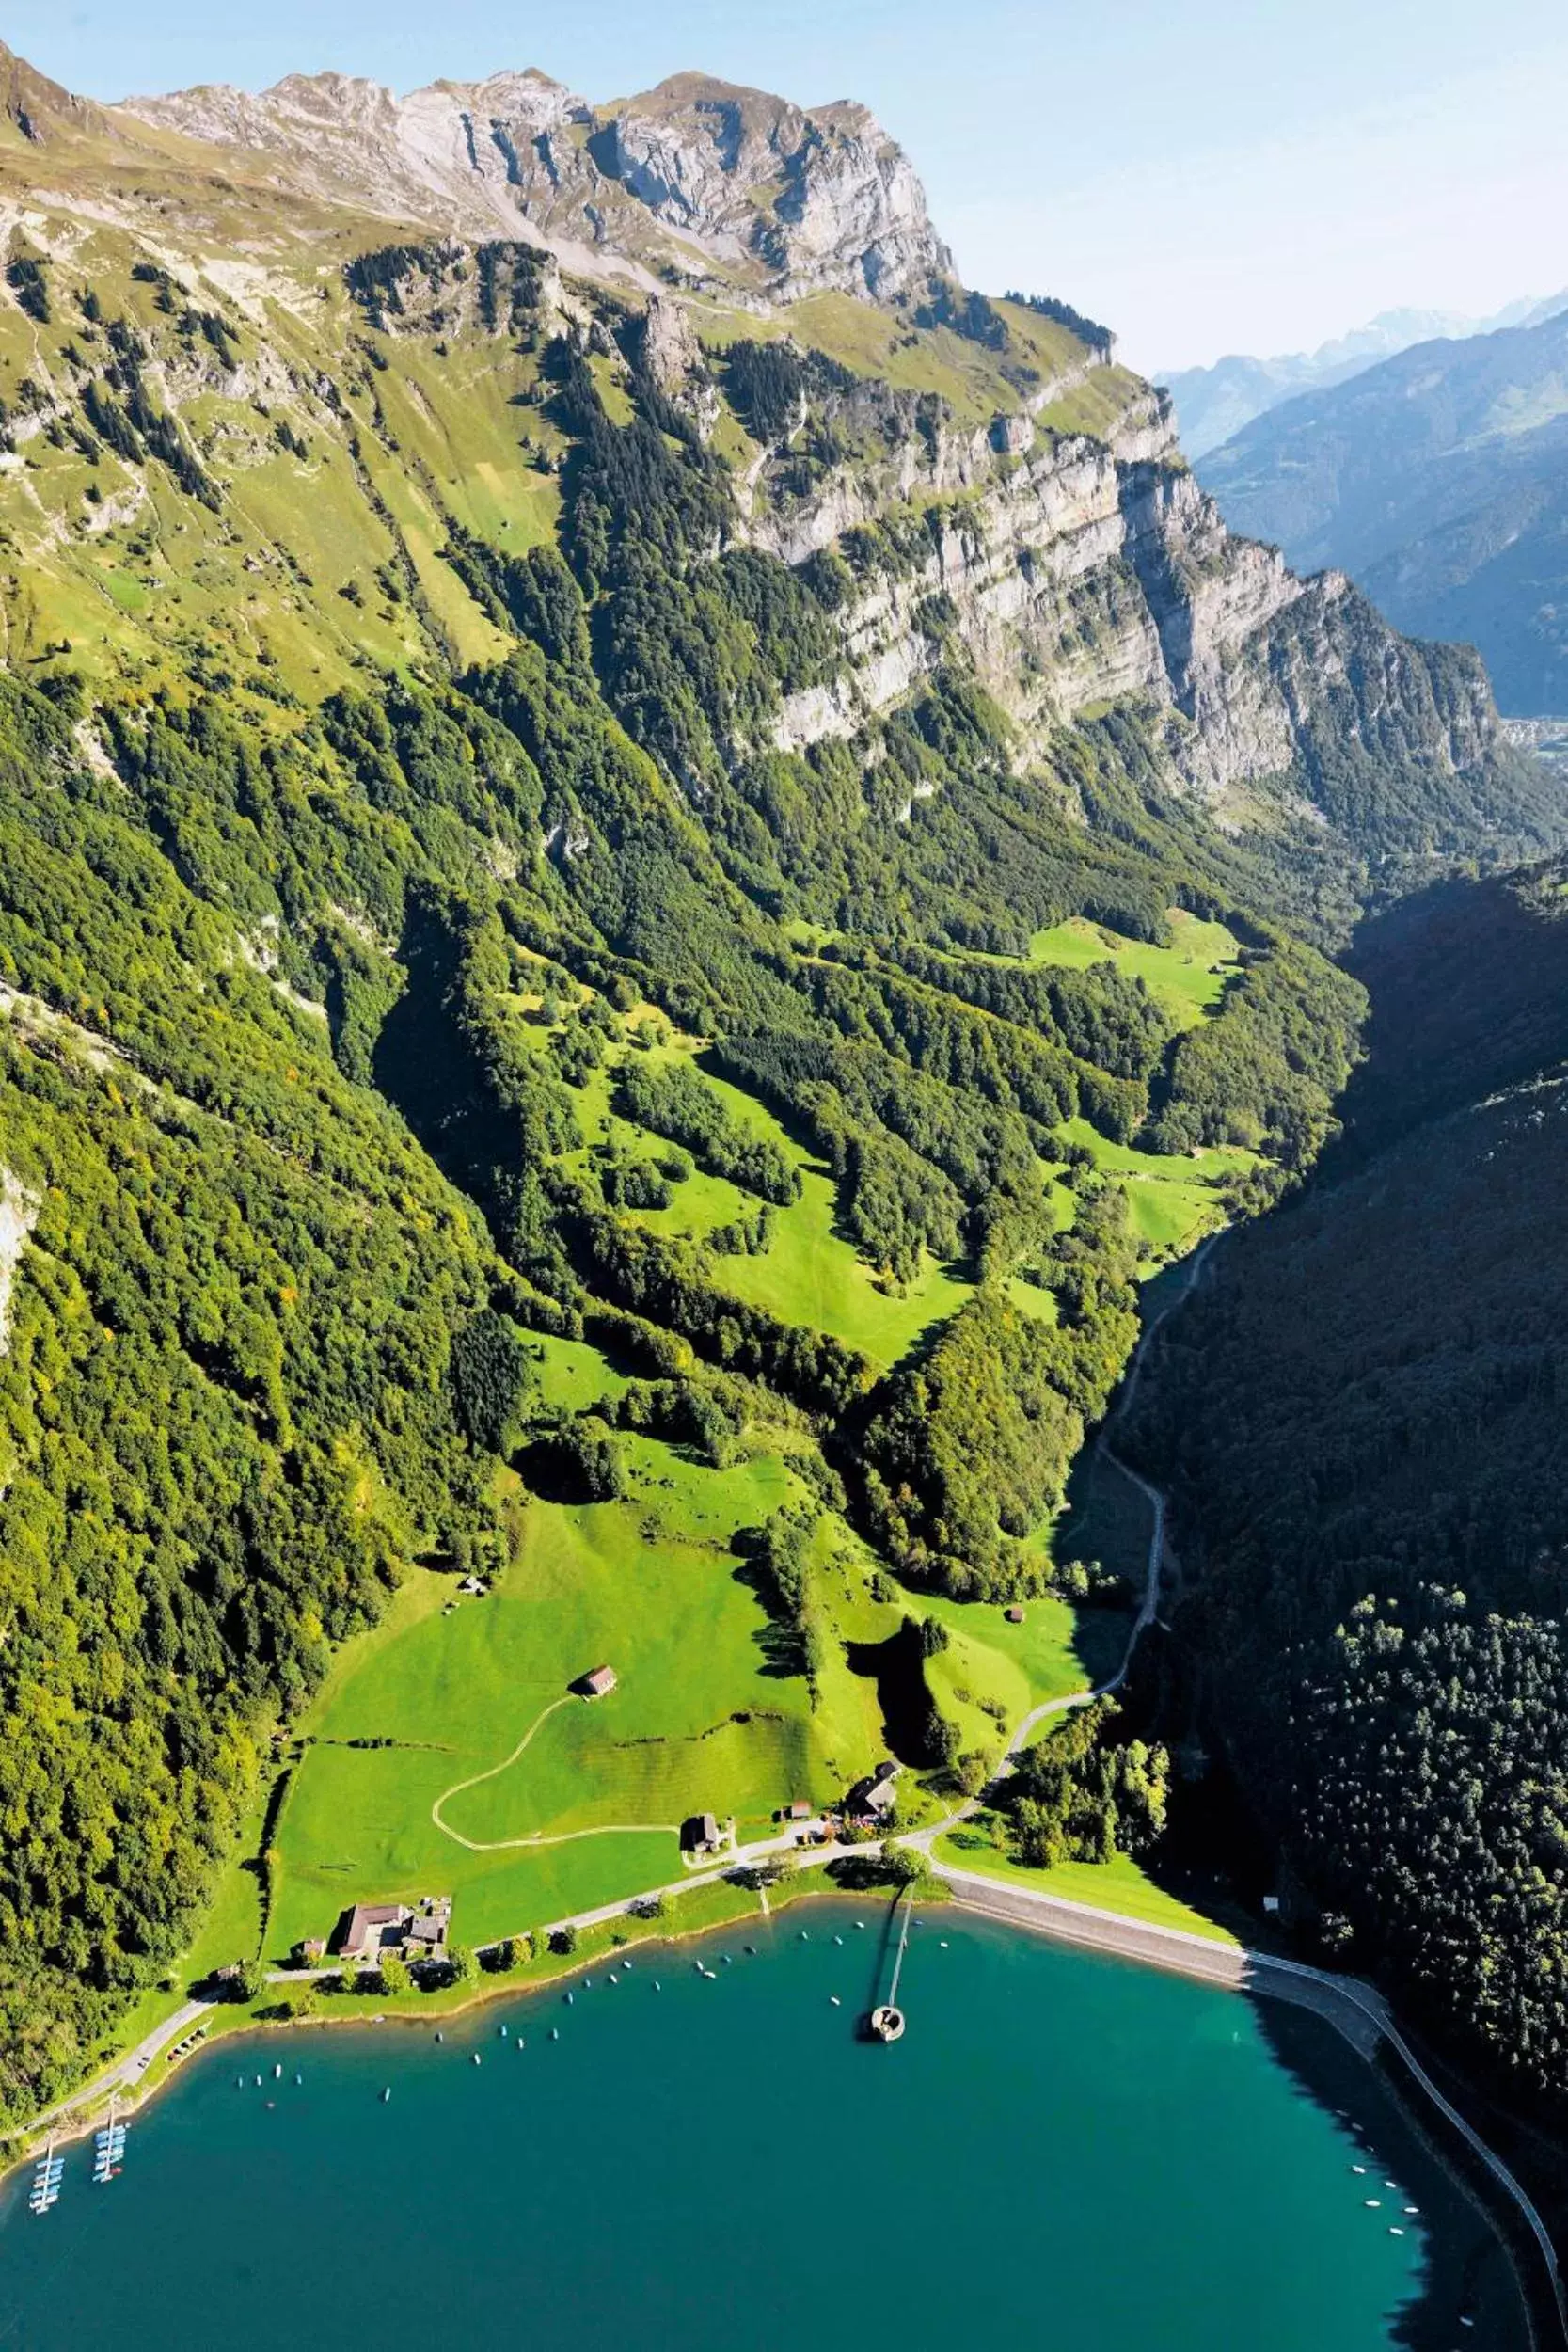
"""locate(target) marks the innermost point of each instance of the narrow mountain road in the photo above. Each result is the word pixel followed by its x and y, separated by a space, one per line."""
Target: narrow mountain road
pixel 1154 1561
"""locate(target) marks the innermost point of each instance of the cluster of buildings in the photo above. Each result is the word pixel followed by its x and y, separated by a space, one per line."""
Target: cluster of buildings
pixel 410 1932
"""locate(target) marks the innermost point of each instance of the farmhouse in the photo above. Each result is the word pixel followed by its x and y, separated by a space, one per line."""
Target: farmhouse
pixel 413 1931
pixel 700 1835
pixel 875 1795
pixel 597 1683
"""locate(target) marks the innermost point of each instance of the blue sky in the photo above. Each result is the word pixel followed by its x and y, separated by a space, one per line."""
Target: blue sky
pixel 1205 175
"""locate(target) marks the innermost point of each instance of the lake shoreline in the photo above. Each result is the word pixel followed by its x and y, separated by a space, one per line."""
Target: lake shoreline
pixel 1100 2074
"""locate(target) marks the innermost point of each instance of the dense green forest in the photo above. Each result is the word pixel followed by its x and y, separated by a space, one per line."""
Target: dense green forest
pixel 311 969
pixel 1363 1413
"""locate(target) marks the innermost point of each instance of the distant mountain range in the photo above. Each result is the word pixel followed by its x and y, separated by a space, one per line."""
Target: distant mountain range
pixel 1439 481
pixel 1214 402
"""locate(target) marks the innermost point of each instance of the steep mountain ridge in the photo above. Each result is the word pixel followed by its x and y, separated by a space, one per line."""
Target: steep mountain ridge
pixel 987 484
pixel 1439 480
pixel 1215 403
pixel 697 179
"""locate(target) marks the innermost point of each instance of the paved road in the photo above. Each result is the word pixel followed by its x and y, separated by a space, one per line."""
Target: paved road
pixel 1358 2010
pixel 130 2072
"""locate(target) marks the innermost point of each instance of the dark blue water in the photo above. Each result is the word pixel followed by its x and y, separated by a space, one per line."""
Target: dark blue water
pixel 1062 2148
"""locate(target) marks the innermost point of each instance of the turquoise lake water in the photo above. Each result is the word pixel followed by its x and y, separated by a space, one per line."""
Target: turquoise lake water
pixel 1063 2149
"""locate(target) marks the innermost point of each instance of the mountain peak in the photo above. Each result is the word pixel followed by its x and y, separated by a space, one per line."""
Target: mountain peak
pixel 698 181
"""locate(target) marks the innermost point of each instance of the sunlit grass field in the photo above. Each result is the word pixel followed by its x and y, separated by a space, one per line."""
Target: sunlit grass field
pixel 1189 976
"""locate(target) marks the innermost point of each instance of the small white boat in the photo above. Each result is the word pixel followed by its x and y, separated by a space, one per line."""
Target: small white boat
pixel 1374 2204
pixel 386 2094
pixel 836 2002
pixel 476 2057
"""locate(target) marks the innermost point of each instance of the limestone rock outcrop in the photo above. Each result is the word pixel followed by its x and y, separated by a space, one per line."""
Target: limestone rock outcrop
pixel 697 179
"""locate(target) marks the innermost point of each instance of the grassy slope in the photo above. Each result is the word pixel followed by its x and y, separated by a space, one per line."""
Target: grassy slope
pixel 1121 1885
pixel 651 1584
pixel 1188 976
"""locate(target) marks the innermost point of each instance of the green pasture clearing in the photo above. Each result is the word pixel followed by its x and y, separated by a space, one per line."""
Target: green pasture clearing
pixel 1172 1202
pixel 809 1274
pixel 702 1718
pixel 1017 1667
pixel 1189 976
pixel 1119 1885
pixel 572 1374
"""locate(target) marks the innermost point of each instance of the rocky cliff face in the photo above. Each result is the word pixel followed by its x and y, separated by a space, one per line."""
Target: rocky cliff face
pixel 1077 569
pixel 707 183
pixel 329 284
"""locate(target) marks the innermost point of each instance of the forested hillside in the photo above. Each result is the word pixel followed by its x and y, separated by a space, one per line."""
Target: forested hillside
pixel 1363 1412
pixel 592 913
